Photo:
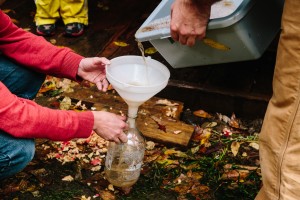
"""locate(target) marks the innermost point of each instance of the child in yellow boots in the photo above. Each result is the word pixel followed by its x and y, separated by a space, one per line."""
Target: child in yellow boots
pixel 74 14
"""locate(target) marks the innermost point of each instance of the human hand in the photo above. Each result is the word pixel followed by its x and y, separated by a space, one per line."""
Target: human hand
pixel 110 126
pixel 189 20
pixel 93 70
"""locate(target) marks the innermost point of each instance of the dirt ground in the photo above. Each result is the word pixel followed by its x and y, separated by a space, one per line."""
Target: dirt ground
pixel 221 161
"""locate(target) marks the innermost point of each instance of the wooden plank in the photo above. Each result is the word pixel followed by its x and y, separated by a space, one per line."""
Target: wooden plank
pixel 176 132
pixel 167 115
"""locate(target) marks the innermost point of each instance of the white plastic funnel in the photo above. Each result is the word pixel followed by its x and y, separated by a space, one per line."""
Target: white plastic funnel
pixel 135 81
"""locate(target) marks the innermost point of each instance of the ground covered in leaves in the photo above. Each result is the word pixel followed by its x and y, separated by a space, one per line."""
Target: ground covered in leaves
pixel 221 161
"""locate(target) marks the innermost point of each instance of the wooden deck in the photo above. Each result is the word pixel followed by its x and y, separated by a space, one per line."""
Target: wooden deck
pixel 243 87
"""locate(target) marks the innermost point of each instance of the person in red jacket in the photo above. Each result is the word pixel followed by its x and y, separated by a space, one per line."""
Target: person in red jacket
pixel 24 60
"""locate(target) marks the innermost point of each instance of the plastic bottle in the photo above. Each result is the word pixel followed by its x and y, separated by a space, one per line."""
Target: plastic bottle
pixel 124 161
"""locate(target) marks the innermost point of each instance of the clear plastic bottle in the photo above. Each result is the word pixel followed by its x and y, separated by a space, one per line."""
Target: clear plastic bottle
pixel 124 161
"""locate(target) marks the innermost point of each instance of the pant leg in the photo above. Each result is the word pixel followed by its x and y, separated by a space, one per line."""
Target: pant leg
pixel 16 153
pixel 74 11
pixel 21 81
pixel 47 11
pixel 280 135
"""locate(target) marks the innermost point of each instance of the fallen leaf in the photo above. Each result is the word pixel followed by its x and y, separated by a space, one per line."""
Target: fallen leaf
pixel 53 41
pixel 191 166
pixel 230 166
pixel 6 11
pixel 83 197
pixel 177 132
pixel 65 104
pixel 223 118
pixel 111 187
pixel 175 152
pixel 163 160
pixel 234 122
pixel 47 85
pixel 201 113
pixel 199 189
pixel 150 50
pixel 171 111
pixel 209 124
pixel 238 174
pixel 27 29
pixel 244 154
pixel 254 145
pixel 165 102
pixel 68 178
pixel 214 44
pixel 120 44
pixel 110 87
pixel 204 137
pixel 107 195
pixel 150 145
pixel 14 21
pixel 235 146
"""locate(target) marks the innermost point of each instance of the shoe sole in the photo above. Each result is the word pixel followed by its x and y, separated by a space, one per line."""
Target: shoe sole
pixel 74 34
pixel 43 34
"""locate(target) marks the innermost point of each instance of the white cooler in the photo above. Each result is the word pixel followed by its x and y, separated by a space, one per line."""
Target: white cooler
pixel 246 27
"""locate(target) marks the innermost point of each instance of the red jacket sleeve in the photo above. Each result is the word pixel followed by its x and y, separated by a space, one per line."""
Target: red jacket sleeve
pixel 24 118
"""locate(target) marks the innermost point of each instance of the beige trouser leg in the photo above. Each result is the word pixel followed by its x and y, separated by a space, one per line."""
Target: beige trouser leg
pixel 280 135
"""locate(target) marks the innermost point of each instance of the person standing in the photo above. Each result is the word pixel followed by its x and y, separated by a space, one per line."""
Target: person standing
pixel 74 15
pixel 280 135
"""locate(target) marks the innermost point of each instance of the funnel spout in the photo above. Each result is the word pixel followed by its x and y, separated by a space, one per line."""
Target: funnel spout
pixel 132 111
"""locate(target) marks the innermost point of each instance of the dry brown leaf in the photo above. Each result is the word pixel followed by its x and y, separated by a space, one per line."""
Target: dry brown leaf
pixel 175 152
pixel 235 146
pixel 107 195
pixel 230 166
pixel 254 145
pixel 202 113
pixel 237 174
pixel 234 122
pixel 197 189
pixel 14 21
pixel 165 102
pixel 68 178
pixel 110 87
pixel 6 11
pixel 202 135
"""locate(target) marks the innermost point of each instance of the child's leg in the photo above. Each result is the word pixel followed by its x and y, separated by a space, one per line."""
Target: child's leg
pixel 15 153
pixel 47 11
pixel 75 11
